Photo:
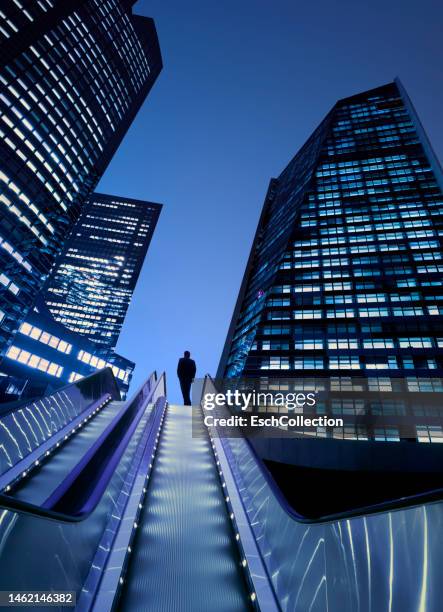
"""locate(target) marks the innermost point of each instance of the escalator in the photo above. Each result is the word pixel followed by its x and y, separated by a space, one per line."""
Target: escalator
pixel 41 548
pixel 153 511
pixel 43 554
pixel 185 556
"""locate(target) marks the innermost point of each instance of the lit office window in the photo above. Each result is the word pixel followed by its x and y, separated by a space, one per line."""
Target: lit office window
pixel 75 376
pixel 429 433
pixel 386 434
pixel 41 336
pixel 34 361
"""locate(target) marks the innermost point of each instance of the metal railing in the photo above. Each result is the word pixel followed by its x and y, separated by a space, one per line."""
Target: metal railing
pixel 73 543
pixel 81 490
pixel 388 558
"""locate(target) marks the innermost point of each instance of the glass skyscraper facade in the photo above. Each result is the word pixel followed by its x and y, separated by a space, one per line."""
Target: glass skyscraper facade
pixel 345 276
pixel 91 287
pixel 72 77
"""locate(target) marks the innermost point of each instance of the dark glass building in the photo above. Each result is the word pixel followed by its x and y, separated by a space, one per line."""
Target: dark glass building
pixel 73 74
pixel 345 276
pixel 91 287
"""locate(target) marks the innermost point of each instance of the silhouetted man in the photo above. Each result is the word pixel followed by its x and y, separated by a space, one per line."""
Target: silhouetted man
pixel 186 370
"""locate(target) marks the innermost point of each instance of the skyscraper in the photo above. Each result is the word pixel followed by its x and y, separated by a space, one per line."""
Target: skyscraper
pixel 90 289
pixel 345 276
pixel 72 77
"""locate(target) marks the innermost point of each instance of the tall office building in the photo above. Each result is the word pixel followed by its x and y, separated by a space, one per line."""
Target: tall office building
pixel 73 74
pixel 345 276
pixel 91 287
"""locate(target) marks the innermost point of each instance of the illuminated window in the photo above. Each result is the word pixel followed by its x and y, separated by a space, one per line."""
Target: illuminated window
pixel 386 434
pixel 344 362
pixel 35 333
pixel 43 365
pixel 53 342
pixel 308 363
pixel 53 369
pixel 25 328
pixel 342 344
pixel 64 347
pixel 23 357
pixel 75 376
pixel 272 363
pixel 378 344
pixel 429 433
pixel 415 342
pixel 307 314
pixel 13 352
pixel 34 361
pixel 45 337
pixel 309 344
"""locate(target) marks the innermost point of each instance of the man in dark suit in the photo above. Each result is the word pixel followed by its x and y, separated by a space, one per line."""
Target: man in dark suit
pixel 186 370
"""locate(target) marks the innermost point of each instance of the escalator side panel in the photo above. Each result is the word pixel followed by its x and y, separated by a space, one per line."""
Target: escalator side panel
pixel 390 560
pixel 41 555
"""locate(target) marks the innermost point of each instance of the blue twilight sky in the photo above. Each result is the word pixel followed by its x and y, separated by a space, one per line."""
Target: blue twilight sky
pixel 244 84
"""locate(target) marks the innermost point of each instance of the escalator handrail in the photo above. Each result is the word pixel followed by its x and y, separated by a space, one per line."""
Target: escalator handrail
pixel 81 471
pixel 97 465
pixel 410 501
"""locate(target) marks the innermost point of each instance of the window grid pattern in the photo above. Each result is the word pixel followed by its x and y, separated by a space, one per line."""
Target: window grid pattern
pixel 91 288
pixel 359 284
pixel 66 99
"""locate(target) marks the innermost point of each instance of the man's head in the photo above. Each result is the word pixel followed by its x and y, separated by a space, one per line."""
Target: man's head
pixel 187 354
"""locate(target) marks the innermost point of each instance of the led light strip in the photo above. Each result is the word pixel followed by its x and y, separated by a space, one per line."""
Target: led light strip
pixel 231 513
pixel 141 500
pixel 261 593
pixel 100 594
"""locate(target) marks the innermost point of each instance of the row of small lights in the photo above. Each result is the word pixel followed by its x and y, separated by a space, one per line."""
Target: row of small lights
pixel 142 497
pixel 45 456
pixel 244 562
